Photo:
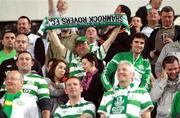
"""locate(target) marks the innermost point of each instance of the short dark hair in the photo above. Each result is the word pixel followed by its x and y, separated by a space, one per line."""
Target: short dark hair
pixel 169 60
pixel 22 52
pixel 167 9
pixel 25 17
pixel 139 35
pixel 91 58
pixel 7 31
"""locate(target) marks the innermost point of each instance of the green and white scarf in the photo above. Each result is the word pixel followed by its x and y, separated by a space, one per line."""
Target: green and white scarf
pixel 7 107
pixel 68 22
pixel 119 103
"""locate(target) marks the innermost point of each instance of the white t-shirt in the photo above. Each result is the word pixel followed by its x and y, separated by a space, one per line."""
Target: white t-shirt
pixel 24 107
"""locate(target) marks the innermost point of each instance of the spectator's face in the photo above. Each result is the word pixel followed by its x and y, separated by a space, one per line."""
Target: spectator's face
pixel 124 74
pixel 73 87
pixel 136 22
pixel 24 62
pixel 21 43
pixel 156 3
pixel 87 65
pixel 60 71
pixel 91 34
pixel 137 45
pixel 153 15
pixel 167 19
pixel 62 5
pixel 23 26
pixel 13 82
pixel 8 40
pixel 82 48
pixel 172 70
pixel 65 32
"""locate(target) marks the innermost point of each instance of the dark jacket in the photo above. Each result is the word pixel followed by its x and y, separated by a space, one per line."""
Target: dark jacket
pixel 142 13
pixel 120 44
pixel 10 64
pixel 95 91
pixel 151 41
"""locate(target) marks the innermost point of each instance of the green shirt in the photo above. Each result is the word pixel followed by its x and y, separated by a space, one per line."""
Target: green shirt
pixel 175 108
pixel 142 68
pixel 4 56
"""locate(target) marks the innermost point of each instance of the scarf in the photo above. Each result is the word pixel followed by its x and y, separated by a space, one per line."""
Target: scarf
pixel 172 85
pixel 7 107
pixel 67 22
pixel 87 80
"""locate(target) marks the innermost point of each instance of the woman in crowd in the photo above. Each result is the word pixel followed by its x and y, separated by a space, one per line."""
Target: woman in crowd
pixel 56 76
pixel 92 86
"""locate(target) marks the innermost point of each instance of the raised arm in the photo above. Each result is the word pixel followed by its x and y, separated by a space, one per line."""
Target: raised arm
pixel 51 7
pixel 56 41
pixel 111 39
pixel 158 66
pixel 158 89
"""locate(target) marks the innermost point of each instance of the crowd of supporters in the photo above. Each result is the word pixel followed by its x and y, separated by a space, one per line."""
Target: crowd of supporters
pixel 93 72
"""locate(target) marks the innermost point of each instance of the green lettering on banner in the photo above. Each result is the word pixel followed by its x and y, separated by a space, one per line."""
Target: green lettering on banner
pixel 68 22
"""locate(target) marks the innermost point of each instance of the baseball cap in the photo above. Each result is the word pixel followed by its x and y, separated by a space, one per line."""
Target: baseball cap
pixel 80 39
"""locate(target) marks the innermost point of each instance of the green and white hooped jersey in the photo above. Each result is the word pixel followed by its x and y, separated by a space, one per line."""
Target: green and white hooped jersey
pixel 125 103
pixel 35 86
pixel 142 67
pixel 74 61
pixel 68 111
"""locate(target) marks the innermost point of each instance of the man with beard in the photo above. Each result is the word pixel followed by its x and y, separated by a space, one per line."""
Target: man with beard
pixel 8 50
pixel 36 45
pixel 34 85
pixel 142 66
pixel 20 44
pixel 82 47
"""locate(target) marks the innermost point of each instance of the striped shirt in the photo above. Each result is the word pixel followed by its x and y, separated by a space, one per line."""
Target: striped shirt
pixel 68 111
pixel 137 101
pixel 35 86
pixel 142 69
pixel 74 61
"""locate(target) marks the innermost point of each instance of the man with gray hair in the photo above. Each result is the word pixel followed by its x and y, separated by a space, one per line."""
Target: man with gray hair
pixel 16 104
pixel 117 103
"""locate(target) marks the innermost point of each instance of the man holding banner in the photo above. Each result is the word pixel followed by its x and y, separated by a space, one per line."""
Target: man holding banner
pixel 81 48
pixel 81 45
